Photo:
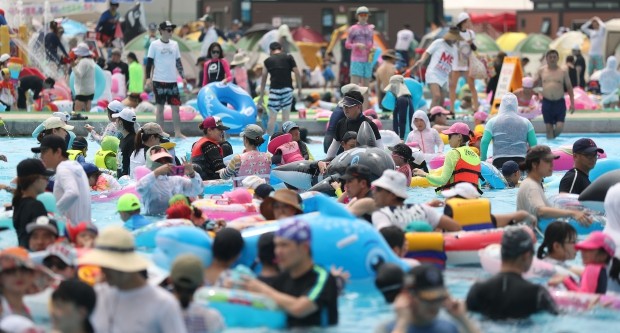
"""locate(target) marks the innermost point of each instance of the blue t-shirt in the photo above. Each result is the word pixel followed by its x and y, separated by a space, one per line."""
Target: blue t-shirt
pixel 136 222
pixel 437 326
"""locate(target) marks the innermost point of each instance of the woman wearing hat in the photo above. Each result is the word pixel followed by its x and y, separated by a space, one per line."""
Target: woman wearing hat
pixel 207 152
pixel 281 204
pixel 84 83
pixel 251 162
pixel 239 73
pixel 19 277
pixel 149 135
pixel 442 53
pixel 32 179
pixel 460 67
pixel 462 164
pixel 126 123
pixel 110 129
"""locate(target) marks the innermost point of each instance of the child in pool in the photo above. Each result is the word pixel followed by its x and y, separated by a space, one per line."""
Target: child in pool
pixel 82 235
pixel 512 173
pixel 480 118
pixel 423 134
pixel 596 252
pixel 558 246
pixel 99 181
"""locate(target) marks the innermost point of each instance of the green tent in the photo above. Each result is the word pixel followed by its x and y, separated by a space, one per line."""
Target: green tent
pixel 533 43
pixel 137 44
pixel 486 44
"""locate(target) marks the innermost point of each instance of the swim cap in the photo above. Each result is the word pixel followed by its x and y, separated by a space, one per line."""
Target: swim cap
pixel 127 203
pixel 295 230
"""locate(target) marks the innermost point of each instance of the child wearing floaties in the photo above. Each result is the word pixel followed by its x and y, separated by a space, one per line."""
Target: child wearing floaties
pixel 78 150
pixel 105 158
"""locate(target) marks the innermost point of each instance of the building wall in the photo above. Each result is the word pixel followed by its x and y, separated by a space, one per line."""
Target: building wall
pixel 397 14
pixel 530 21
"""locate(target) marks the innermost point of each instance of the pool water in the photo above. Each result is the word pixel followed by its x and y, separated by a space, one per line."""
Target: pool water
pixel 363 312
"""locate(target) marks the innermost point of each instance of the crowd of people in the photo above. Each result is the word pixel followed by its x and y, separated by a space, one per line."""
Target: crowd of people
pixel 124 298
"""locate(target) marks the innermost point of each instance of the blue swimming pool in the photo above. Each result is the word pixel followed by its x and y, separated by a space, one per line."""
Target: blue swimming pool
pixel 362 312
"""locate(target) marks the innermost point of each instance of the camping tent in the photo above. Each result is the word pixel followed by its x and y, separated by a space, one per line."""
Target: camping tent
pixel 486 44
pixel 188 56
pixel 508 41
pixel 309 43
pixel 533 44
pixel 612 38
pixel 565 43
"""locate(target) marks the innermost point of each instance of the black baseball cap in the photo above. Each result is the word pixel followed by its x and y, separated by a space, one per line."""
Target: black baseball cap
pixel 51 142
pixel 390 280
pixel 515 242
pixel 402 150
pixel 426 282
pixel 32 166
pixel 166 25
pixel 586 146
pixel 509 168
pixel 275 46
pixel 357 171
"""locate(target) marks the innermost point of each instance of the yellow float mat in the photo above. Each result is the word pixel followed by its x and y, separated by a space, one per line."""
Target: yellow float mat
pixel 425 241
pixel 418 181
pixel 470 212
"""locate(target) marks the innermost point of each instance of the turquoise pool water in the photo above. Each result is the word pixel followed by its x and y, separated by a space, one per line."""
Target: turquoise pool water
pixel 363 312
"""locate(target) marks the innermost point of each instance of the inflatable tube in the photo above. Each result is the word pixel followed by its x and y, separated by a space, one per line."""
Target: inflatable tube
pixel 323 115
pixel 598 189
pixel 471 214
pixel 223 209
pixel 492 177
pixel 217 186
pixel 491 261
pixel 418 181
pixel 389 138
pixel 145 236
pixel 100 83
pixel 212 100
pixel 65 106
pixel 241 308
pixel 186 112
pixel 193 103
pixel 109 196
pixel 416 90
pixel 437 161
pixel 565 162
pixel 583 101
pixel 180 238
pixel 462 247
pixel 575 301
pixel 604 166
pixel 532 113
pixel 426 247
pixel 571 201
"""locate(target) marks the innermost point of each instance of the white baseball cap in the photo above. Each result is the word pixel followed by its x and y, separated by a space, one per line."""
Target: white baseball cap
pixel 393 181
pixel 465 190
pixel 62 115
pixel 116 106
pixel 127 114
pixel 55 122
pixel 4 57
pixel 462 18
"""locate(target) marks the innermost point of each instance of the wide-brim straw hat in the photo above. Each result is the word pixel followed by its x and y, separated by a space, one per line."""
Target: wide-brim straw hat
pixel 284 196
pixel 115 249
pixel 16 257
pixel 239 59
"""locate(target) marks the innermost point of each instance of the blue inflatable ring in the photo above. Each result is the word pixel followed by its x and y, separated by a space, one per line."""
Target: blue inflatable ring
pixel 212 101
pixel 99 83
pixel 417 95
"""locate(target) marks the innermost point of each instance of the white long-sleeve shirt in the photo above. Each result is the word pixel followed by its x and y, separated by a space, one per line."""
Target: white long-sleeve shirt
pixel 156 191
pixel 597 37
pixel 72 192
pixel 84 72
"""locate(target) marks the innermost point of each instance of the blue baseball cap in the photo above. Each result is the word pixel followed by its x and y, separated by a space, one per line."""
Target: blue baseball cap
pixel 295 230
pixel 288 126
pixel 509 168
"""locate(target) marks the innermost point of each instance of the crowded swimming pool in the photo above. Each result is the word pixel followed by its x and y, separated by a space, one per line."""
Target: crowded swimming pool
pixel 362 312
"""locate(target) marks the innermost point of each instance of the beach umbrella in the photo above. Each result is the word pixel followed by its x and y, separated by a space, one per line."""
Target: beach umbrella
pixel 486 44
pixel 307 35
pixel 534 43
pixel 508 41
pixel 260 28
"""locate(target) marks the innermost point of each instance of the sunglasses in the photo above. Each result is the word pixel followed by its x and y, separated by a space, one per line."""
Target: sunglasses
pixel 216 51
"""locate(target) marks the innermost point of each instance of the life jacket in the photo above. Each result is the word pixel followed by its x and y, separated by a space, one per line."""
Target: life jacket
pixel 471 214
pixel 100 159
pixel 290 152
pixel 198 158
pixel 466 170
pixel 253 163
pixel 74 153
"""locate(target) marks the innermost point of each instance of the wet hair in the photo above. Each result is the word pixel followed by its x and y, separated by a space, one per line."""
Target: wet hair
pixel 394 236
pixel 570 59
pixel 128 126
pixel 132 56
pixel 227 244
pixel 552 51
pixel 556 232
pixel 22 184
pixel 216 44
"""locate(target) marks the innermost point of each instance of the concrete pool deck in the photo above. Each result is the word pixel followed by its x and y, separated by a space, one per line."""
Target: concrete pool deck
pixel 24 123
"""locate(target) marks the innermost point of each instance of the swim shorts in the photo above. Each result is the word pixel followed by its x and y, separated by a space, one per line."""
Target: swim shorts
pixel 280 99
pixel 166 92
pixel 84 98
pixel 553 111
pixel 361 69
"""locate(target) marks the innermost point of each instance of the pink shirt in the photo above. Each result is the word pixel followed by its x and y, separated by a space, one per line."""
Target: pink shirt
pixel 223 63
pixel 406 170
pixel 359 33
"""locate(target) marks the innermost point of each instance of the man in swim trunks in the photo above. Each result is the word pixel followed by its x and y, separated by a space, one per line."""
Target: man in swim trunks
pixel 507 295
pixel 279 65
pixel 307 292
pixel 554 80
